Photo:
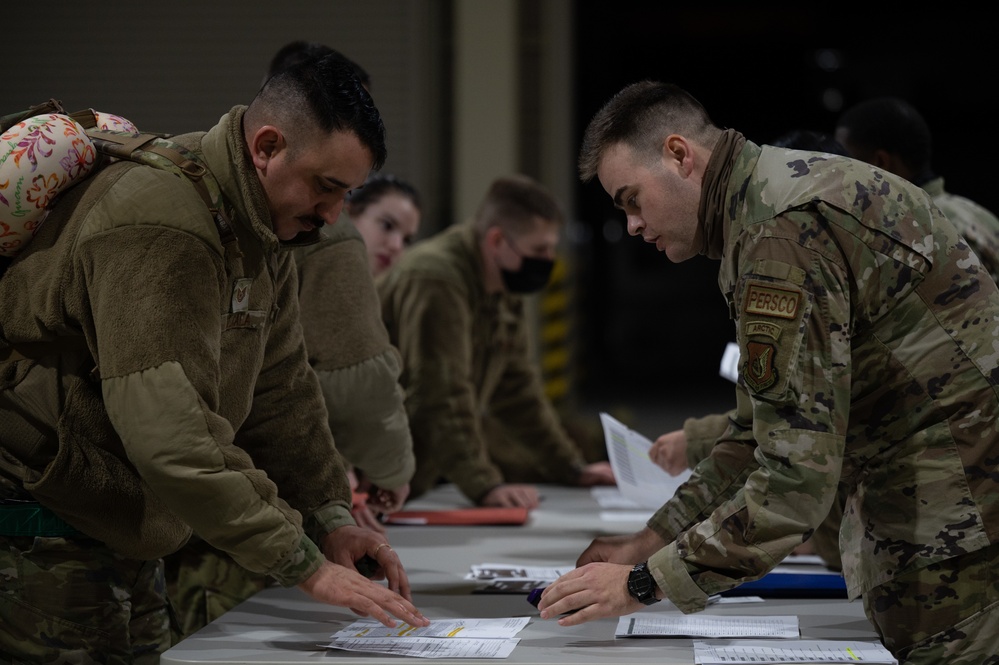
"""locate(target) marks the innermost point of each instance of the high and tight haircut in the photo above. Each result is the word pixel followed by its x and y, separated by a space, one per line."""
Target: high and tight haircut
pixel 377 186
pixel 514 203
pixel 893 125
pixel 300 50
pixel 319 95
pixel 641 116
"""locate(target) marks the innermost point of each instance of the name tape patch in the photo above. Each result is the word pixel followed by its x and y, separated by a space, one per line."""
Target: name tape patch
pixel 771 301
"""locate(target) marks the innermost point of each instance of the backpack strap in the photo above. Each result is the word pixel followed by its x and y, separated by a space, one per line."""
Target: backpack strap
pixel 157 151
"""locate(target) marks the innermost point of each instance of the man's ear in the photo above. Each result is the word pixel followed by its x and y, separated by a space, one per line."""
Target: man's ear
pixel 266 142
pixel 883 159
pixel 677 151
pixel 493 237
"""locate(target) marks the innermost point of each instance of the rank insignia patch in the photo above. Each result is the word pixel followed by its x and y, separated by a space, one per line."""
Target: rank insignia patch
pixel 241 295
pixel 759 371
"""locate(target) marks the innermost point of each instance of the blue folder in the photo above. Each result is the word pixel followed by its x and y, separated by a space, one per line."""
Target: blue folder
pixel 792 585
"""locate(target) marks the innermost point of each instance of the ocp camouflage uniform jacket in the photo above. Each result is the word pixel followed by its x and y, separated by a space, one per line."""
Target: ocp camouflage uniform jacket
pixel 978 226
pixel 465 354
pixel 867 333
pixel 204 404
pixel 349 349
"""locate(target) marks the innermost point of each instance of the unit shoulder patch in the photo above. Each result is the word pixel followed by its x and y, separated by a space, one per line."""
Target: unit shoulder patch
pixel 760 372
pixel 770 331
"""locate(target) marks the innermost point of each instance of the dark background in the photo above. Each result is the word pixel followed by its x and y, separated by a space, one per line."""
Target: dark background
pixel 650 328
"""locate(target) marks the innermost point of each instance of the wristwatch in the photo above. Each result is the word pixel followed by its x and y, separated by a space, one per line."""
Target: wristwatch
pixel 641 585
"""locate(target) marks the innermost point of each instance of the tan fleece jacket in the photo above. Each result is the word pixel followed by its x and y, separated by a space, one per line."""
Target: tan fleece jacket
pixel 350 352
pixel 205 403
pixel 465 355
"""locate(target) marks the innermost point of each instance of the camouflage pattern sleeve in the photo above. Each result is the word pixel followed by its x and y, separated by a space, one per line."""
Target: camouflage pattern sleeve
pixel 792 310
pixel 702 434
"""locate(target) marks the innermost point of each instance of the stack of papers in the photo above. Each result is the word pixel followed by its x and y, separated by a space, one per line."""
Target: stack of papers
pixel 738 652
pixel 639 479
pixel 443 638
pixel 459 517
pixel 702 625
pixel 507 578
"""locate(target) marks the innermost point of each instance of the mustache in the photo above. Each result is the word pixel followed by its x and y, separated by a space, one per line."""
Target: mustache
pixel 314 220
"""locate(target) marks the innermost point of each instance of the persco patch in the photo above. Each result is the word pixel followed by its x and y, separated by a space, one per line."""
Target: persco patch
pixel 770 323
pixel 765 300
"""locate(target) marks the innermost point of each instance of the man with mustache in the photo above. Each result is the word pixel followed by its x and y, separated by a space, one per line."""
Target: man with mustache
pixel 154 383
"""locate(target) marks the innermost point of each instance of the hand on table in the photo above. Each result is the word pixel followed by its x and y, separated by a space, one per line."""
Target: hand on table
pixel 383 500
pixel 627 549
pixel 337 585
pixel 669 452
pixel 512 496
pixel 366 518
pixel 348 544
pixel 596 590
pixel 598 473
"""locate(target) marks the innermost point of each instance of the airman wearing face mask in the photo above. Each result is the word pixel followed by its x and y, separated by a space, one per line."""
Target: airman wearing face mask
pixel 454 308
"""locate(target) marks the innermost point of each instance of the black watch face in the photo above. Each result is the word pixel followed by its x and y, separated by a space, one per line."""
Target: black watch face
pixel 641 586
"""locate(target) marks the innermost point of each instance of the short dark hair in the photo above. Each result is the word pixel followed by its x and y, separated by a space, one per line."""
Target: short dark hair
pixel 893 125
pixel 514 202
pixel 377 186
pixel 300 50
pixel 320 94
pixel 807 139
pixel 641 116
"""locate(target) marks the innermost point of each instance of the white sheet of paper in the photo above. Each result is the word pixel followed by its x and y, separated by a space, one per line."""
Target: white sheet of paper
pixel 739 652
pixel 729 368
pixel 638 477
pixel 506 571
pixel 610 498
pixel 428 647
pixel 642 515
pixel 445 628
pixel 803 560
pixel 701 625
pixel 734 600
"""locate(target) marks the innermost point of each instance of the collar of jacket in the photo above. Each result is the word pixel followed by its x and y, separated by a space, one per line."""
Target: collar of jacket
pixel 934 187
pixel 225 152
pixel 711 213
pixel 476 270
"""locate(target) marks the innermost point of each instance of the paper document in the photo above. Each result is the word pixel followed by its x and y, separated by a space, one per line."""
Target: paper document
pixel 729 368
pixel 737 652
pixel 493 571
pixel 708 626
pixel 443 638
pixel 428 647
pixel 465 628
pixel 638 477
pixel 611 498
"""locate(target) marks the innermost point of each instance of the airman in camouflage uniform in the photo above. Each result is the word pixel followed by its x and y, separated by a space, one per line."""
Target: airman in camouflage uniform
pixel 867 330
pixel 891 134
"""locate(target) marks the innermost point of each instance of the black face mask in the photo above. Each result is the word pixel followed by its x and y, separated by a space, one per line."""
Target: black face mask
pixel 532 276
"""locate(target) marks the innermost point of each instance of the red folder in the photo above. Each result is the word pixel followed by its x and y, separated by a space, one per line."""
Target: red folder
pixel 459 516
